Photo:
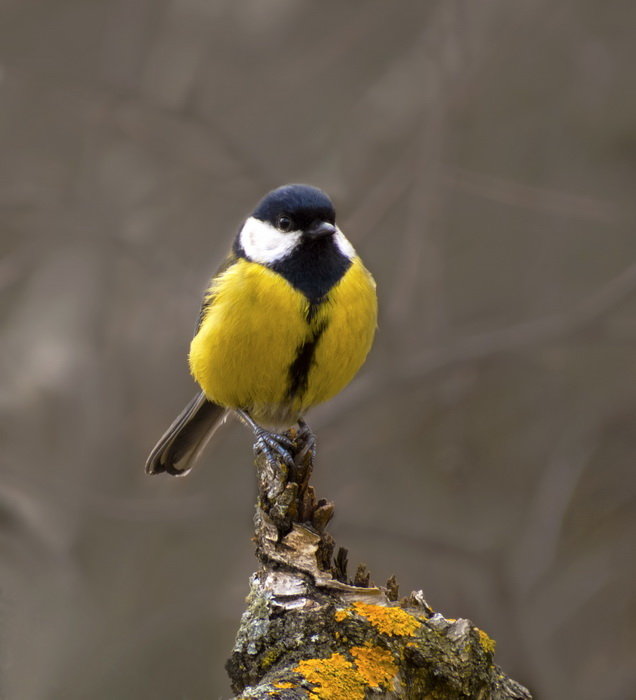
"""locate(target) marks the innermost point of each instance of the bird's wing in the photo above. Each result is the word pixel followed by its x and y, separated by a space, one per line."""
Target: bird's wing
pixel 208 297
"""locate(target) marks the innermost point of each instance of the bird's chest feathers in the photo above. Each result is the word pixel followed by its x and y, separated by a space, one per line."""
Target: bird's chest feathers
pixel 250 335
pixel 261 335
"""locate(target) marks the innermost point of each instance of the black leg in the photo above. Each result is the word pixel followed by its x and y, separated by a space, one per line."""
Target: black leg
pixel 273 445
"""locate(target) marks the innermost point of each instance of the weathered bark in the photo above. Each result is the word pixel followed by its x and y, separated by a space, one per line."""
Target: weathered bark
pixel 311 633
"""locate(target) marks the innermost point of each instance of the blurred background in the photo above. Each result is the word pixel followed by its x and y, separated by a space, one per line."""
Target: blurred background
pixel 482 157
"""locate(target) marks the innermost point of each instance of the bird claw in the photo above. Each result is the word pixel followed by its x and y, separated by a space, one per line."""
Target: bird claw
pixel 274 446
pixel 307 438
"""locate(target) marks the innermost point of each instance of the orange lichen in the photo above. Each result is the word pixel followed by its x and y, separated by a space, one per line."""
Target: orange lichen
pixel 487 643
pixel 335 678
pixel 283 685
pixel 388 620
pixel 375 665
pixel 341 615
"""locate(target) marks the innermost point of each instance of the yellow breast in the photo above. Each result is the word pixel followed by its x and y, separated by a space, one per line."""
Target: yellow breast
pixel 261 348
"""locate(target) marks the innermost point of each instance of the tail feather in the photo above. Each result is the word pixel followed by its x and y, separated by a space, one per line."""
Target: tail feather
pixel 180 446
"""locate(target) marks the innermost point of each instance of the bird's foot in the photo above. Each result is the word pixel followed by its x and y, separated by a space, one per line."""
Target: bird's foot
pixel 274 446
pixel 307 439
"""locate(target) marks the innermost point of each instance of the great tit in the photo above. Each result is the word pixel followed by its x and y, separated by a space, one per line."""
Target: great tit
pixel 285 324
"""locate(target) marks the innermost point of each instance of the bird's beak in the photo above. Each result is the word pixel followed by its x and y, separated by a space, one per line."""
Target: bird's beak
pixel 320 229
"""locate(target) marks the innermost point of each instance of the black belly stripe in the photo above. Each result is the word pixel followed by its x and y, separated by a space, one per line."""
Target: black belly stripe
pixel 312 310
pixel 301 366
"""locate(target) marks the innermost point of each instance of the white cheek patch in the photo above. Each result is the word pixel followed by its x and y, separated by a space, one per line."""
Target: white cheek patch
pixel 263 243
pixel 343 244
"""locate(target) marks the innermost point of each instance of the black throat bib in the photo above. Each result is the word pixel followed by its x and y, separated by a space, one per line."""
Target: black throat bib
pixel 314 267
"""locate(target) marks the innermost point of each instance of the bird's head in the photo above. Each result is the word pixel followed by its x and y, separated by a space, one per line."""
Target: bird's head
pixel 288 218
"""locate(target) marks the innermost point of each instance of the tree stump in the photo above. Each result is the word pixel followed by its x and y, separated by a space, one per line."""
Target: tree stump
pixel 310 632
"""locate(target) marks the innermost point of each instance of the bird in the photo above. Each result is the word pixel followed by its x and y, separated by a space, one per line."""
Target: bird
pixel 285 324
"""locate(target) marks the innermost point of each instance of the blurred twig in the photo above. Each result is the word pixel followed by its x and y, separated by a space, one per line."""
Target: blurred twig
pixel 419 257
pixel 382 195
pixel 540 199
pixel 529 333
pixel 536 547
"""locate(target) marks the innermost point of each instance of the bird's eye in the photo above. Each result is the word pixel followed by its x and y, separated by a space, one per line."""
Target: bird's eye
pixel 284 223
